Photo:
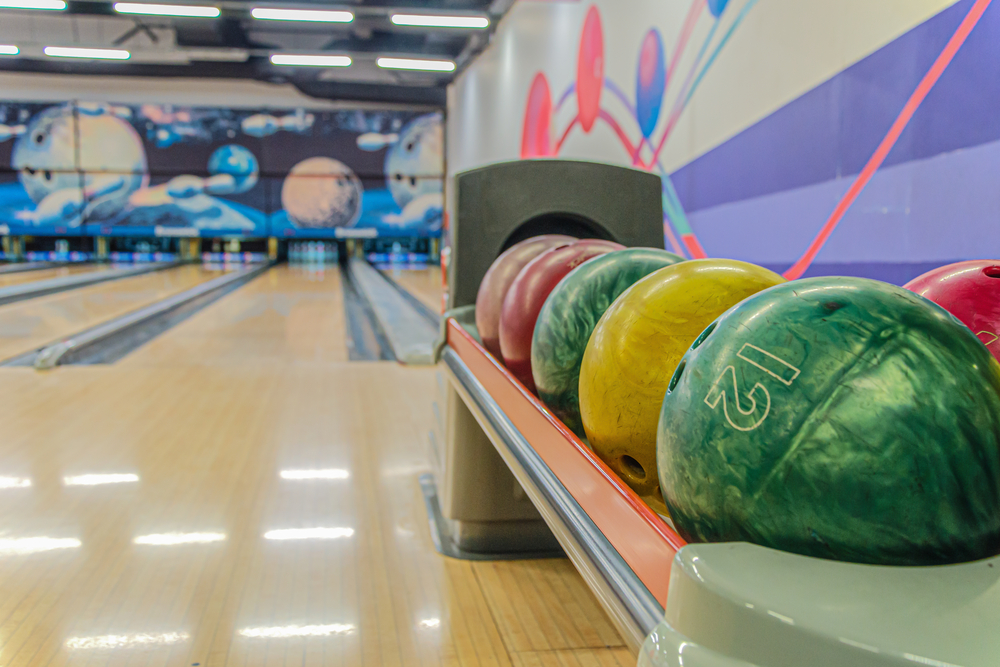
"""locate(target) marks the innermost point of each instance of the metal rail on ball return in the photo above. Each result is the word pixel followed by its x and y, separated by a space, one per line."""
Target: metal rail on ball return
pixel 633 608
pixel 52 355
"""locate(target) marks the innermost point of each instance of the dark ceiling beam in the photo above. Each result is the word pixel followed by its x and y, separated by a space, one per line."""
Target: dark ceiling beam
pixel 255 69
pixel 435 96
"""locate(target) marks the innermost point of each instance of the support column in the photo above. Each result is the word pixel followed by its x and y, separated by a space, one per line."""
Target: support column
pixel 101 248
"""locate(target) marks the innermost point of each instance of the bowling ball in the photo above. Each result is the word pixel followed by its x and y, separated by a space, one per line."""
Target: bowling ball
pixel 496 282
pixel 636 347
pixel 527 294
pixel 569 316
pixel 971 292
pixel 841 418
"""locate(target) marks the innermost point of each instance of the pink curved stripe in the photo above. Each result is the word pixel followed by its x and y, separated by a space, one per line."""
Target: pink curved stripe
pixel 875 161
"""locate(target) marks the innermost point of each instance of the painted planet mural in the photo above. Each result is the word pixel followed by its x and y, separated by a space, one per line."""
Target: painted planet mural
pixel 321 192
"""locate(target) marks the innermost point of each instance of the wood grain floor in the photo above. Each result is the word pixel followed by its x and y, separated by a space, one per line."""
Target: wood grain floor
pixel 9 279
pixel 180 508
pixel 425 284
pixel 289 315
pixel 27 325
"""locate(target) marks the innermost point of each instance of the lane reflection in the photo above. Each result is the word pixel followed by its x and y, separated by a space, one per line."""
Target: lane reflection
pixel 94 479
pixel 169 539
pixel 126 641
pixel 32 545
pixel 285 631
pixel 315 473
pixel 308 533
pixel 14 482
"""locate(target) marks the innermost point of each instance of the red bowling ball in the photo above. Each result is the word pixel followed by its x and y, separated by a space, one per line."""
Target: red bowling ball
pixel 971 292
pixel 496 282
pixel 527 295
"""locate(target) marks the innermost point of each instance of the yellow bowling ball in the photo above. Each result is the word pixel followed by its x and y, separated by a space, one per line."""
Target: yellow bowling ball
pixel 635 349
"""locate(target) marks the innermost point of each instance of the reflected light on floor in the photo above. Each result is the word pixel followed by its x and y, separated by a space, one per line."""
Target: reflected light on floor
pixel 430 623
pixel 31 545
pixel 126 641
pixel 319 473
pixel 14 482
pixel 308 533
pixel 284 631
pixel 100 478
pixel 167 539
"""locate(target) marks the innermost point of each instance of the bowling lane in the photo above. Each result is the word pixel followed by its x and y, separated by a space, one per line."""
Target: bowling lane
pixel 27 325
pixel 8 279
pixel 251 515
pixel 425 284
pixel 289 315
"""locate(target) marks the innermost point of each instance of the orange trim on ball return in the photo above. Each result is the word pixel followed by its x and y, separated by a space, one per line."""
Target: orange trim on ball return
pixel 644 541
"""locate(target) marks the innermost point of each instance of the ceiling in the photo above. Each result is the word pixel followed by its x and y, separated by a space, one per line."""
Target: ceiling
pixel 236 45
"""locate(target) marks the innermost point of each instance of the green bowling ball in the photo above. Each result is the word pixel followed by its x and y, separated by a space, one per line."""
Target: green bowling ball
pixel 569 316
pixel 841 418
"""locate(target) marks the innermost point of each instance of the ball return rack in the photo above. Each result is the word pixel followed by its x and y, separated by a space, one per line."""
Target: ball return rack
pixel 716 605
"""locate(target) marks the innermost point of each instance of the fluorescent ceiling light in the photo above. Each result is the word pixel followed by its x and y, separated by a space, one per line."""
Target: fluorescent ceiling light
pixel 100 478
pixel 308 533
pixel 283 631
pixel 198 11
pixel 431 21
pixel 170 539
pixel 14 482
pixel 315 473
pixel 416 64
pixel 319 15
pixel 92 54
pixel 52 5
pixel 9 50
pixel 310 60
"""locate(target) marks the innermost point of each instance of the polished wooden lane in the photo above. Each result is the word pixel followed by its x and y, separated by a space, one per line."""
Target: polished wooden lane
pixel 27 325
pixel 239 513
pixel 290 314
pixel 8 279
pixel 425 284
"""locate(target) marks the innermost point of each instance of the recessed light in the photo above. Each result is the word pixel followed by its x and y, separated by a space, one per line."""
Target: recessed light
pixel 432 21
pixel 416 64
pixel 9 50
pixel 51 5
pixel 319 15
pixel 310 60
pixel 91 54
pixel 196 11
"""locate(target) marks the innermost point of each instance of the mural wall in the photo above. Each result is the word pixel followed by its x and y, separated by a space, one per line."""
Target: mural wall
pixel 116 169
pixel 843 137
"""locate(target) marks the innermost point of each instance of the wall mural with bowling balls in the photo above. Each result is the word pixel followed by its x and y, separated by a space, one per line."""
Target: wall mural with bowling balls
pixel 875 153
pixel 112 169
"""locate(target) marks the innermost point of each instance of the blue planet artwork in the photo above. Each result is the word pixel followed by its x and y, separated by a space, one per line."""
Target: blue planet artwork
pixel 110 169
